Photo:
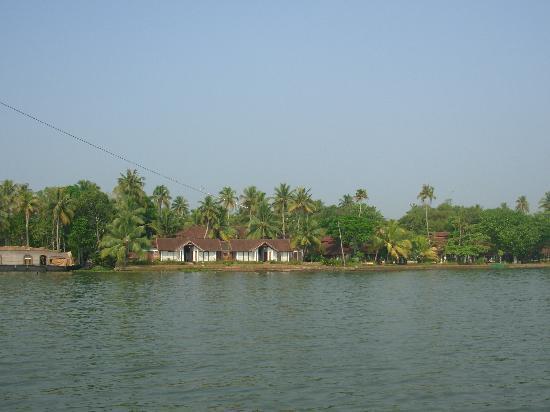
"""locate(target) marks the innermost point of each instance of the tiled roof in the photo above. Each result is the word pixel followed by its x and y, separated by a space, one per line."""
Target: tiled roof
pixel 193 232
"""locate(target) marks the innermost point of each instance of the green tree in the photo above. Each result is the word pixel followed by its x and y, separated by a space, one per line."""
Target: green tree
pixel 426 196
pixel 301 204
pixel 360 196
pixel 516 234
pixel 356 230
pixel 250 200
pixel 27 203
pixel 422 250
pixel 208 213
pixel 161 196
pixel 346 201
pixel 167 223
pixel 125 234
pixel 180 206
pixel 308 237
pixel 62 211
pixel 544 203
pixel 522 205
pixel 228 199
pixel 131 185
pixel 263 224
pixel 396 242
pixel 281 201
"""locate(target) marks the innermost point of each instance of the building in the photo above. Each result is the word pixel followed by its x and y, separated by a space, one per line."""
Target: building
pixel 185 248
pixel 21 258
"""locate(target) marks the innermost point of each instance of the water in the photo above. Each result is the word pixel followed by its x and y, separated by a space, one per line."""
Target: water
pixel 449 340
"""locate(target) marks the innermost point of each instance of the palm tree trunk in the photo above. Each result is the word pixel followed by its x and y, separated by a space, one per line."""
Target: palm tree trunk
pixel 27 226
pixel 359 209
pixel 283 215
pixel 207 225
pixel 57 234
pixel 427 228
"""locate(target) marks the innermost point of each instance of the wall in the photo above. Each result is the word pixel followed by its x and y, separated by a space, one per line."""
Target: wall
pixel 16 257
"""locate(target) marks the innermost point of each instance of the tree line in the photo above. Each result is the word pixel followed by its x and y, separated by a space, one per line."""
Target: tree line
pixel 109 228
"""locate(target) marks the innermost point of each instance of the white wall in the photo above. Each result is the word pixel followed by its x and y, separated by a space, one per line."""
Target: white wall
pixel 206 256
pixel 168 256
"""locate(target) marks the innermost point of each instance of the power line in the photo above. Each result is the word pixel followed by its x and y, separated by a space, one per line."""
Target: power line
pixel 105 150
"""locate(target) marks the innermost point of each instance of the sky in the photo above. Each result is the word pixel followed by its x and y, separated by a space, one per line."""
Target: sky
pixel 330 95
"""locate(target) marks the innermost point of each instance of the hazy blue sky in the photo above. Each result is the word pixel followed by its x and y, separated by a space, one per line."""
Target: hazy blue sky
pixel 331 95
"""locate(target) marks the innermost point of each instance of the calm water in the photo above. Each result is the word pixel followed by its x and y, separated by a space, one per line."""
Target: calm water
pixel 472 340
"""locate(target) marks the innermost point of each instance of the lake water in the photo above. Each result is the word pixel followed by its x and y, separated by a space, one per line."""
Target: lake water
pixel 412 341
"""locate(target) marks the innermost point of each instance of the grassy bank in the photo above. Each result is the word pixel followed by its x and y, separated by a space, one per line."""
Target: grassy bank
pixel 310 267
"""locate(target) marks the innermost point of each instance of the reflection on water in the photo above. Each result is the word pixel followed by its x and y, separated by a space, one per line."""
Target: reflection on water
pixel 394 341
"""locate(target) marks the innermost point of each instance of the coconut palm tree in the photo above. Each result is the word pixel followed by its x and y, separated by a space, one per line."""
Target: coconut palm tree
pixel 426 195
pixel 422 250
pixel 221 229
pixel 544 203
pixel 308 236
pixel 167 223
pixel 131 184
pixel 250 199
pixel 180 206
pixel 522 205
pixel 125 234
pixel 263 224
pixel 28 204
pixel 161 196
pixel 208 213
pixel 360 196
pixel 301 203
pixel 346 201
pixel 395 240
pixel 62 211
pixel 283 196
pixel 228 199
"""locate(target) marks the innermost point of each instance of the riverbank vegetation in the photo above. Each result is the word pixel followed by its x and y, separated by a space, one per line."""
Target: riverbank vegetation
pixel 109 228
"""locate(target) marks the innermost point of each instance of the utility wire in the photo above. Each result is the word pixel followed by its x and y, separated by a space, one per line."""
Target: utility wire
pixel 105 150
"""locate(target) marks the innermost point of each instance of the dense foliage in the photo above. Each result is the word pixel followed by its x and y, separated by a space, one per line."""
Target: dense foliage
pixel 112 228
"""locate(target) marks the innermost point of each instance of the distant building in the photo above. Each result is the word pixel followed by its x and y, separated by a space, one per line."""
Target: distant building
pixel 29 258
pixel 190 245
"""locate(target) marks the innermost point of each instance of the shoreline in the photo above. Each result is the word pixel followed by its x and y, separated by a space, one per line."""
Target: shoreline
pixel 317 267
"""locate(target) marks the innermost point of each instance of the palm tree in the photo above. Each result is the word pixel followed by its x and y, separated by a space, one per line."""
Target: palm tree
pixel 28 204
pixel 161 195
pixel 395 240
pixel 180 207
pixel 346 201
pixel 250 199
pixel 307 236
pixel 544 203
pixel 228 199
pixel 283 196
pixel 522 205
pixel 426 195
pixel 301 203
pixel 167 223
pixel 62 211
pixel 208 212
pixel 360 195
pixel 376 242
pixel 125 234
pixel 131 184
pixel 422 250
pixel 263 223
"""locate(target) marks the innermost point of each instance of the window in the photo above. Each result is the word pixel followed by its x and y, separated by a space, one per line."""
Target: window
pixel 27 260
